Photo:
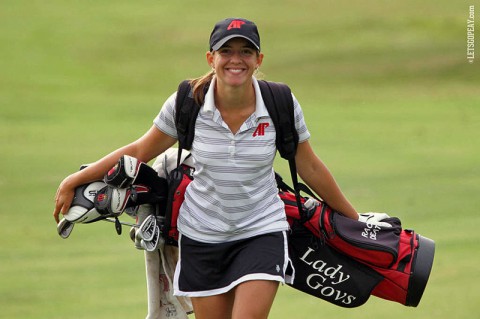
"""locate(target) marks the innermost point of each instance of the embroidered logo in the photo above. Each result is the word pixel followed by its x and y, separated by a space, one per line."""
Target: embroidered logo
pixel 371 231
pixel 235 24
pixel 260 131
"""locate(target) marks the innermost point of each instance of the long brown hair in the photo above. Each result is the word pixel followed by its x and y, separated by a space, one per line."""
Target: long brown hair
pixel 200 86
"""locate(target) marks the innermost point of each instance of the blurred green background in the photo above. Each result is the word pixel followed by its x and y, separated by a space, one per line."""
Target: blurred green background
pixel 389 96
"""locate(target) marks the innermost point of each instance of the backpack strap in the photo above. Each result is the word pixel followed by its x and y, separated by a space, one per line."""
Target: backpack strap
pixel 186 115
pixel 186 112
pixel 279 102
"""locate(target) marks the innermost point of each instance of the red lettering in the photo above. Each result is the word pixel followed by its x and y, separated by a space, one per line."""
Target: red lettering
pixel 235 24
pixel 260 131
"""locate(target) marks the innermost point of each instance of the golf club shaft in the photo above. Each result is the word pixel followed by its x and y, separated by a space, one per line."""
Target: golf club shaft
pixel 112 220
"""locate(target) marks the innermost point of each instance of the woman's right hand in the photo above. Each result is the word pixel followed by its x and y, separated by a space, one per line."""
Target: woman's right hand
pixel 64 197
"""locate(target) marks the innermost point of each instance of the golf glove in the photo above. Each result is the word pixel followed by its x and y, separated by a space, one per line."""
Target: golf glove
pixel 374 219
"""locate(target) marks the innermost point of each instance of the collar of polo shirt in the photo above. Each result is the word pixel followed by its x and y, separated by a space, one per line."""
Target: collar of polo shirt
pixel 260 108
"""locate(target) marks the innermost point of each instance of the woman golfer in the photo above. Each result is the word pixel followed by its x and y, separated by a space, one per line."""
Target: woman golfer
pixel 233 247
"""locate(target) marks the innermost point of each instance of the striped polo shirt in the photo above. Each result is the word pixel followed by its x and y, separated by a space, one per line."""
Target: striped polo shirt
pixel 234 194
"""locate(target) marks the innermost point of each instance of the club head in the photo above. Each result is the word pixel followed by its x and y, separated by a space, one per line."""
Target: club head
pixel 147 228
pixel 152 244
pixel 64 228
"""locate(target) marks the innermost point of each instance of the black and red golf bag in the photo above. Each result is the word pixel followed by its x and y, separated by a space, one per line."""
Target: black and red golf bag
pixel 335 258
pixel 344 261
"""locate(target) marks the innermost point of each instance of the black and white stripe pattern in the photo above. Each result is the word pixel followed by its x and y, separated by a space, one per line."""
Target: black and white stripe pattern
pixel 234 194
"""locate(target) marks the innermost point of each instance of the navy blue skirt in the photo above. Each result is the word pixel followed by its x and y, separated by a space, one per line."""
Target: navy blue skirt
pixel 207 269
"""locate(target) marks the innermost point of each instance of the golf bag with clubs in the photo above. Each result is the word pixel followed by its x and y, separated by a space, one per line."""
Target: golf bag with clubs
pixel 344 261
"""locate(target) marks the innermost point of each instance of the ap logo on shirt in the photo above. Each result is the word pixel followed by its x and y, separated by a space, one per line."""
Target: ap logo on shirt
pixel 260 131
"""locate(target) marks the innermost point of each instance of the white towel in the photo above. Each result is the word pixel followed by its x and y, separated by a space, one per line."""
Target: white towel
pixel 160 267
pixel 160 264
pixel 162 304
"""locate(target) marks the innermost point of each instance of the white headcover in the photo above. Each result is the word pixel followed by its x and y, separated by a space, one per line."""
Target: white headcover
pixel 167 161
pixel 83 209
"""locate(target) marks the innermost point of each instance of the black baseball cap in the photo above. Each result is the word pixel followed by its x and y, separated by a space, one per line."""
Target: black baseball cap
pixel 233 28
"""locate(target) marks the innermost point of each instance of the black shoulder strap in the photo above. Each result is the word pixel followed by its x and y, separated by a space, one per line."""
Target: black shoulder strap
pixel 186 112
pixel 279 102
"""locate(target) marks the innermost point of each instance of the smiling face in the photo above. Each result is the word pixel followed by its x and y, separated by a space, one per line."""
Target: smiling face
pixel 235 62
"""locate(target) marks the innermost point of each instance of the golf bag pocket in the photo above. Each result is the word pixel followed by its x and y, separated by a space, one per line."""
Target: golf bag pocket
pixel 369 243
pixel 323 272
pixel 366 242
pixel 178 181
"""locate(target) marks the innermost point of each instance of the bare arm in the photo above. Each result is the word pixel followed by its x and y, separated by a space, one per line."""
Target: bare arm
pixel 151 144
pixel 317 176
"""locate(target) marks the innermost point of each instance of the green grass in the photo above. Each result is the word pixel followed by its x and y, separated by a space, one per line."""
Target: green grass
pixel 390 99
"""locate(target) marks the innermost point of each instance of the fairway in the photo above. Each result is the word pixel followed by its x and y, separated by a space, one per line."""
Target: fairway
pixel 390 98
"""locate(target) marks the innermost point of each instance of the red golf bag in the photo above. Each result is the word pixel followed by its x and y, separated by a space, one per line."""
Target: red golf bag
pixel 395 262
